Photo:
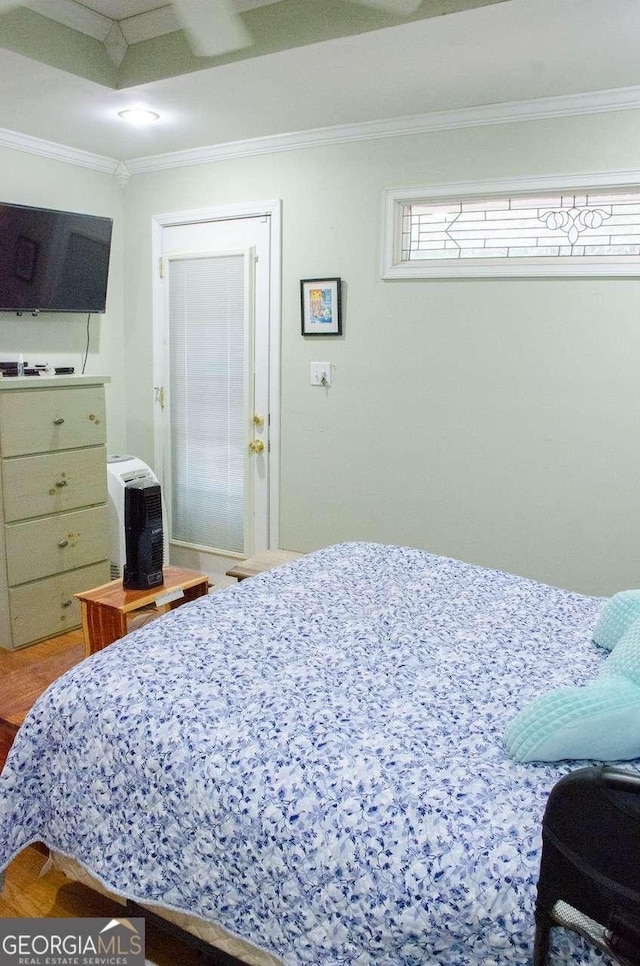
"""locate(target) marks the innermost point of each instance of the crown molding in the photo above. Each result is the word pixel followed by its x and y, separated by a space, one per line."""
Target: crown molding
pixel 57 152
pixel 73 15
pixel 597 102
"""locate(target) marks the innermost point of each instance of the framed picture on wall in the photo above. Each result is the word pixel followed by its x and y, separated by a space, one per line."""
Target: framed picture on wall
pixel 321 306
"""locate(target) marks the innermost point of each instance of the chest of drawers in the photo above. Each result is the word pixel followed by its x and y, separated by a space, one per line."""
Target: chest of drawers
pixel 53 503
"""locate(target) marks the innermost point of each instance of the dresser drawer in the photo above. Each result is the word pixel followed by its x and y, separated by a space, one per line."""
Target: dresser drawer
pixel 42 420
pixel 36 486
pixel 51 545
pixel 48 607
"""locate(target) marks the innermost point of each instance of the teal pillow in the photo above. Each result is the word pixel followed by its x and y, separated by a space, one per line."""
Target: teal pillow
pixel 625 660
pixel 600 721
pixel 618 614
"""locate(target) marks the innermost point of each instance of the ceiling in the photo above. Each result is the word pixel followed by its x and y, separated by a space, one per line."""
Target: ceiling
pixel 327 68
pixel 137 19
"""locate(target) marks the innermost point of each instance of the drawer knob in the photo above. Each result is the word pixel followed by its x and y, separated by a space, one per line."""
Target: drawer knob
pixel 58 421
pixel 63 543
pixel 61 483
pixel 67 603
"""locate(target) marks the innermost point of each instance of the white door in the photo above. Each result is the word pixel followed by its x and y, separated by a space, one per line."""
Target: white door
pixel 214 393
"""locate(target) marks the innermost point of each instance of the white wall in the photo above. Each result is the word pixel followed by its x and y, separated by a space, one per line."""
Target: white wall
pixel 60 339
pixel 498 422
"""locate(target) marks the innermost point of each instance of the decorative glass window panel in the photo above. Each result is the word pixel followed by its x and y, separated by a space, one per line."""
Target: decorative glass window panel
pixel 566 231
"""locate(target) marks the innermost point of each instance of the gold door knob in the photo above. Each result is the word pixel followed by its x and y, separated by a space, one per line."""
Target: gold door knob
pixel 256 446
pixel 258 420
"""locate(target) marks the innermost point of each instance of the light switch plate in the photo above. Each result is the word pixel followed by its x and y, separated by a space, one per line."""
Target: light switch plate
pixel 320 373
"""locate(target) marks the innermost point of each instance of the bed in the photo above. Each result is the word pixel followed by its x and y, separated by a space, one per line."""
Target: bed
pixel 312 760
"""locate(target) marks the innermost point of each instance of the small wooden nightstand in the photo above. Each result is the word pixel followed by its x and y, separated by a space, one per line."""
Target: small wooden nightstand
pixel 105 609
pixel 261 562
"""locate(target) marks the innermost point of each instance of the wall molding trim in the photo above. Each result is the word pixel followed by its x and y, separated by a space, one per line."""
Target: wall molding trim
pixel 596 102
pixel 57 152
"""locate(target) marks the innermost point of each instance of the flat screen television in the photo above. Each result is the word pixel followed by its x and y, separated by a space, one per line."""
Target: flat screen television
pixel 53 261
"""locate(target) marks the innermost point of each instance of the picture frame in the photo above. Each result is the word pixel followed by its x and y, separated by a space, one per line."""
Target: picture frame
pixel 321 306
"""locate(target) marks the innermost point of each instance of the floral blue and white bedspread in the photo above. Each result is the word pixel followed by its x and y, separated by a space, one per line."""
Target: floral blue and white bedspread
pixel 313 759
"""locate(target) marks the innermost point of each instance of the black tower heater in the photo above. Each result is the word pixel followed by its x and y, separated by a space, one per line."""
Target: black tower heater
pixel 143 535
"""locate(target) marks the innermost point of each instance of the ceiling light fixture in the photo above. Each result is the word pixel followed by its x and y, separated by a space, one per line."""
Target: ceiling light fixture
pixel 138 115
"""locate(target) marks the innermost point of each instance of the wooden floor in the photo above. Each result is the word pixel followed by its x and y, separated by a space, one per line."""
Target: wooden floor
pixel 24 675
pixel 27 672
pixel 27 895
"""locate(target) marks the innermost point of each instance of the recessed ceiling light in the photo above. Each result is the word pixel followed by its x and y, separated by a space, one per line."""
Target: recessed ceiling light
pixel 138 115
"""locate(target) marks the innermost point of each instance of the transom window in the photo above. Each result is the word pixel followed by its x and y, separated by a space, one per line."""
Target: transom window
pixel 566 231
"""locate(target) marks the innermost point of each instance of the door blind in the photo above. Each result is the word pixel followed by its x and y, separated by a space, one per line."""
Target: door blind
pixel 207 336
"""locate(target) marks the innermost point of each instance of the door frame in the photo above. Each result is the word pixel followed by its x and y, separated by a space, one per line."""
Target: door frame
pixel 254 209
